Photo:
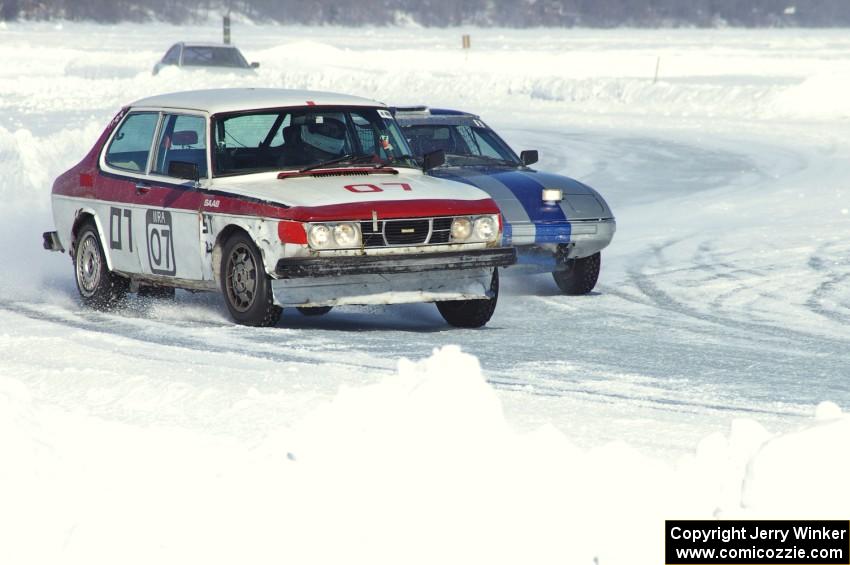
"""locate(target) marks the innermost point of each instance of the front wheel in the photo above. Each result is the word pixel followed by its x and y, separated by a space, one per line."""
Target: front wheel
pixel 580 275
pixel 99 287
pixel 246 286
pixel 471 313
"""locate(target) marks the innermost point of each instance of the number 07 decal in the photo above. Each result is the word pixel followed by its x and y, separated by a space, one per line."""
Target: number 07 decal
pixel 160 236
pixel 374 188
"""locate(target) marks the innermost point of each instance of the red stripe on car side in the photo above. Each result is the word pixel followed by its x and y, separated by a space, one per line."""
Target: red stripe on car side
pixel 122 190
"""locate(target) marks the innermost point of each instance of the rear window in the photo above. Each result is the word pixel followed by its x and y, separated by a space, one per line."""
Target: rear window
pixel 213 57
pixel 130 148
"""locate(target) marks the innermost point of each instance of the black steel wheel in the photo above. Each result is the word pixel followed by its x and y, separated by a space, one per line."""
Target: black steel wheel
pixel 580 275
pixel 471 313
pixel 246 286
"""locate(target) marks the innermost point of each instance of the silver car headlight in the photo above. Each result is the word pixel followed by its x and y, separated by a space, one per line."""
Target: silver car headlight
pixel 461 228
pixel 486 228
pixel 347 235
pixel 320 236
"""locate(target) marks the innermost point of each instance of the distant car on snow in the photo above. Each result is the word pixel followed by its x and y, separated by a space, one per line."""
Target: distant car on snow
pixel 210 56
pixel 557 224
pixel 277 198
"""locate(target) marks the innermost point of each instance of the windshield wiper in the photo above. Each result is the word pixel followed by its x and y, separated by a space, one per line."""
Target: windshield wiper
pixel 349 159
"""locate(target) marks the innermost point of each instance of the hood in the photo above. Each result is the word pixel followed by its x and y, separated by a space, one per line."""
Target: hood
pixel 407 193
pixel 519 193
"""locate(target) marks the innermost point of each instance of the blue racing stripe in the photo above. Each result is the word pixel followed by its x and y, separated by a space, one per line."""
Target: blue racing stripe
pixel 529 194
pixel 553 233
pixel 551 225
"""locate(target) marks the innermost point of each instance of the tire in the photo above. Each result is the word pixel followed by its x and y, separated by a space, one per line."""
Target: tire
pixel 314 310
pixel 99 287
pixel 580 276
pixel 157 292
pixel 246 286
pixel 471 313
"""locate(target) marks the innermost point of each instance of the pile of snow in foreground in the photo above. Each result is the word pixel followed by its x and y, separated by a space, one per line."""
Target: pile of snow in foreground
pixel 421 468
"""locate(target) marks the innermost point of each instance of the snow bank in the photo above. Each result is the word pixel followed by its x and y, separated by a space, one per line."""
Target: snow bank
pixel 715 74
pixel 819 96
pixel 421 468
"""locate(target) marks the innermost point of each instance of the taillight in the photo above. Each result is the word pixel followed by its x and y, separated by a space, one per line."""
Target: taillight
pixel 292 232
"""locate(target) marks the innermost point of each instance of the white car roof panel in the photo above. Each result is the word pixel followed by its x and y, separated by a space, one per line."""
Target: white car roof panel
pixel 220 100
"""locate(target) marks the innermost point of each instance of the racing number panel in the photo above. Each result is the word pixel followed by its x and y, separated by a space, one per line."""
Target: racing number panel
pixel 159 230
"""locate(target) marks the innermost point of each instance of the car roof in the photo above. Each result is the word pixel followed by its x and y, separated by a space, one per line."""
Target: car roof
pixel 422 115
pixel 203 44
pixel 219 100
pixel 425 111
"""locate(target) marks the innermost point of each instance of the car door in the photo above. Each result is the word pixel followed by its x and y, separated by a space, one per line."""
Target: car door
pixel 170 226
pixel 123 167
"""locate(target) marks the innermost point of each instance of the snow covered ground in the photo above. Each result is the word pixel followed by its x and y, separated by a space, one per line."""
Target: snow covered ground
pixel 706 377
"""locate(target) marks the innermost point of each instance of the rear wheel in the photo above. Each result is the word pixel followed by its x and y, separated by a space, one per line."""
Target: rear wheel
pixel 99 287
pixel 246 286
pixel 471 313
pixel 580 275
pixel 314 310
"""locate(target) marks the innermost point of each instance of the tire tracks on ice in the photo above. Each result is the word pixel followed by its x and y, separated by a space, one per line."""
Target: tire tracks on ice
pixel 648 288
pixel 833 281
pixel 150 331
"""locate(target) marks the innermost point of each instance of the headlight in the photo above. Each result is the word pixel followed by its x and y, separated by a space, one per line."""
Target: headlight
pixel 552 195
pixel 486 228
pixel 347 235
pixel 320 236
pixel 461 228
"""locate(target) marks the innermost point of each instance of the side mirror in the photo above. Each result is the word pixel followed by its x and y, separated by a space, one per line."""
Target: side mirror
pixel 255 65
pixel 528 157
pixel 184 170
pixel 433 159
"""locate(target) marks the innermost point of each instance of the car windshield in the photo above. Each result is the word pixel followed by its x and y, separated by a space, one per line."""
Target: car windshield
pixel 464 143
pixel 213 57
pixel 307 137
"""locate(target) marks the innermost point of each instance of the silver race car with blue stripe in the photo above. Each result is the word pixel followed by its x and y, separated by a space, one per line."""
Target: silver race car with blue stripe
pixel 557 224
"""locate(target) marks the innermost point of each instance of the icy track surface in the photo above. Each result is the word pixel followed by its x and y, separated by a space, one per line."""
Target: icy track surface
pixel 705 377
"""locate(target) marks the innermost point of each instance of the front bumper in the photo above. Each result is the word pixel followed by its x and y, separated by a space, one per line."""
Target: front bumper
pixel 308 267
pixel 590 236
pixel 388 279
pixel 541 253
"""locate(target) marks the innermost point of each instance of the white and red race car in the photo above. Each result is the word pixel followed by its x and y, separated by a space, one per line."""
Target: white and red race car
pixel 278 198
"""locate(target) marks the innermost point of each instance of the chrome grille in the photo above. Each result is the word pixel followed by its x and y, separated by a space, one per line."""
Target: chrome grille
pixel 406 232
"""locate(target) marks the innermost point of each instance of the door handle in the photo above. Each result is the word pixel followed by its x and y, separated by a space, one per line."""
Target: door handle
pixel 142 188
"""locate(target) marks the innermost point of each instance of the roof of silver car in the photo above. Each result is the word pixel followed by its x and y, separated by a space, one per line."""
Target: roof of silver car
pixel 219 100
pixel 206 44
